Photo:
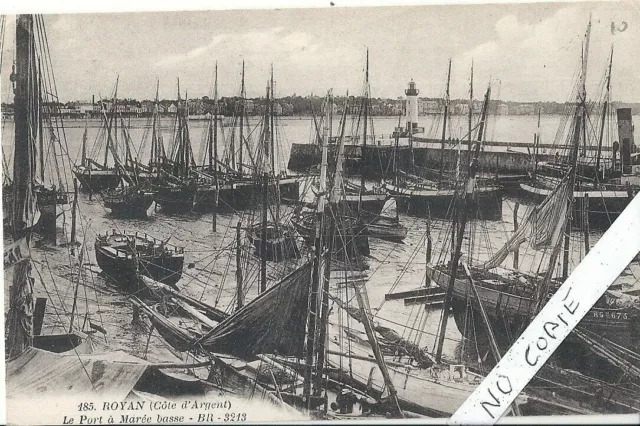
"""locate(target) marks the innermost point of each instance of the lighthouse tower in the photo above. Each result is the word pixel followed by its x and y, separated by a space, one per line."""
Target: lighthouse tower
pixel 411 112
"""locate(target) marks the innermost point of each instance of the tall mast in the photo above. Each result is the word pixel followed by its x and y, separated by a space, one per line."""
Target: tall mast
pixel 577 131
pixel 482 128
pixel 470 112
pixel 155 149
pixel 38 111
pixel 83 160
pixel 213 121
pixel 583 87
pixel 366 119
pixel 395 153
pixel 214 164
pixel 315 281
pixel 536 145
pixel 444 122
pixel 271 125
pixel 266 135
pixel 110 120
pixel 242 111
pixel 25 213
pixel 605 110
pixel 463 213
pixel 274 172
pixel 330 226
pixel 215 127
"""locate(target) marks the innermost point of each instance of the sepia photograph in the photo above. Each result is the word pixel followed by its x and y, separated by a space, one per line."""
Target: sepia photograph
pixel 330 213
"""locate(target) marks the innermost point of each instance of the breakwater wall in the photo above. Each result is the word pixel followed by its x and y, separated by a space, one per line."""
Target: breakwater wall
pixel 377 161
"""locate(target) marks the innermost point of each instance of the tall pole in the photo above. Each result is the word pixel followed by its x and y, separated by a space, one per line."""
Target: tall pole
pixel 585 223
pixel 470 114
pixel 216 181
pixel 271 126
pixel 265 199
pixel 427 282
pixel 315 279
pixel 365 102
pixel 395 153
pixel 536 145
pixel 274 171
pixel 20 316
pixel 604 118
pixel 444 121
pixel 242 112
pixel 516 253
pixel 462 211
pixel 240 296
pixel 73 216
pixel 577 131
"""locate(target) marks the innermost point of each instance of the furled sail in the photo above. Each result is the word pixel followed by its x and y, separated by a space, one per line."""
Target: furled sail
pixel 542 227
pixel 274 322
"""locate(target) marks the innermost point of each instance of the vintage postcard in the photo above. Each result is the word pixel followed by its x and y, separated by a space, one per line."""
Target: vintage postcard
pixel 416 213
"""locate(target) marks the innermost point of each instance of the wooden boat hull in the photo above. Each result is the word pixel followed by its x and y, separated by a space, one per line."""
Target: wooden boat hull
pixel 127 204
pixel 371 203
pixel 604 206
pixel 281 242
pixel 176 199
pixel 422 202
pixel 241 195
pixel 510 312
pixel 119 265
pixel 387 229
pixel 353 244
pixel 97 180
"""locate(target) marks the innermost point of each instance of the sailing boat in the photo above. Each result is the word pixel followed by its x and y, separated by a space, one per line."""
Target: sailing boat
pixel 95 175
pixel 56 365
pixel 241 184
pixel 49 143
pixel 134 195
pixel 350 227
pixel 360 198
pixel 602 185
pixel 424 192
pixel 273 240
pixel 511 296
pixel 176 186
pixel 279 321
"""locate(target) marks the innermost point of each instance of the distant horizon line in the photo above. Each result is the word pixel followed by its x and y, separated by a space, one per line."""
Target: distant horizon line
pixel 452 100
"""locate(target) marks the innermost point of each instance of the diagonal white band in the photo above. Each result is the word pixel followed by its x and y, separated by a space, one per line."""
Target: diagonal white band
pixel 586 284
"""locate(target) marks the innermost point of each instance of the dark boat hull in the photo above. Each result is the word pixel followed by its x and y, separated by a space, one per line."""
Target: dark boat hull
pixel 176 199
pixel 242 195
pixel 120 266
pixel 97 180
pixel 350 242
pixel 421 202
pixel 129 205
pixel 510 312
pixel 604 206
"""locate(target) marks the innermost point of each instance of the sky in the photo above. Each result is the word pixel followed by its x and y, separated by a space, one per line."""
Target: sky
pixel 530 52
